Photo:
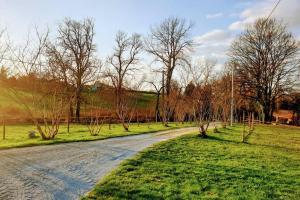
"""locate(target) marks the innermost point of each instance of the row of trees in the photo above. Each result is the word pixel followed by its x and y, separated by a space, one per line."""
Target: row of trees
pixel 263 59
pixel 60 68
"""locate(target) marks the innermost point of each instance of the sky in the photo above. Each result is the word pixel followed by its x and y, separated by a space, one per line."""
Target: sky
pixel 216 22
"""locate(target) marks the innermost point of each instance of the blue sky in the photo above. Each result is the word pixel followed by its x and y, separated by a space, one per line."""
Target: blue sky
pixel 216 21
pixel 113 15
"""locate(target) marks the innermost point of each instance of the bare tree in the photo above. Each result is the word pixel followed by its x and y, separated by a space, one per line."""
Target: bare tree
pixel 73 55
pixel 29 58
pixel 122 63
pixel 44 102
pixel 174 100
pixel 94 123
pixel 169 43
pixel 202 94
pixel 222 100
pixel 157 85
pixel 265 60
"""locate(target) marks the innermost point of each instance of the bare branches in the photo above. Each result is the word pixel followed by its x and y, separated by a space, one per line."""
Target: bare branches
pixel 121 63
pixel 29 58
pixel 169 43
pixel 125 57
pixel 72 57
pixel 200 71
pixel 200 92
pixel 265 60
pixel 76 38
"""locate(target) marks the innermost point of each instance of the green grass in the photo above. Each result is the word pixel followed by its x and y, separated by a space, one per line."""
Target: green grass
pixel 17 135
pixel 9 107
pixel 145 99
pixel 218 167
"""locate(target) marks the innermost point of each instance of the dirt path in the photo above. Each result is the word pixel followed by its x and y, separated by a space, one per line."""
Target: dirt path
pixel 67 171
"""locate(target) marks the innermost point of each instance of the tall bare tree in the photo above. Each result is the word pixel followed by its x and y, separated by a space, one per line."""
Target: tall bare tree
pixel 265 58
pixel 169 43
pixel 59 69
pixel 74 55
pixel 123 63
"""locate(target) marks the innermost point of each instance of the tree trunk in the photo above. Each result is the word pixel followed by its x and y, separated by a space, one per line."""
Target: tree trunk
pixel 4 131
pixel 202 131
pixel 268 112
pixel 77 113
pixel 244 127
pixel 68 125
pixel 168 91
pixel 157 108
pixel 125 126
pixel 78 102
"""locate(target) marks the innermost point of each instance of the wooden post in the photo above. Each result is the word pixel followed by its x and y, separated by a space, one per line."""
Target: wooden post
pixel 68 123
pixel 249 122
pixel 243 135
pixel 137 119
pixel 4 130
pixel 252 122
pixel 109 124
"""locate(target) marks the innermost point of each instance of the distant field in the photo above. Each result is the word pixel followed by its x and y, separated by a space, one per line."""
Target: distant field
pixel 219 167
pixel 102 99
pixel 17 135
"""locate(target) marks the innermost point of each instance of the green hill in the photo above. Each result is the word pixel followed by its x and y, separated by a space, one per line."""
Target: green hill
pixel 101 99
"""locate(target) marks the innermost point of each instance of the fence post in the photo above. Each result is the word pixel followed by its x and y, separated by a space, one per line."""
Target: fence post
pixel 137 119
pixel 68 124
pixel 252 122
pixel 244 126
pixel 4 129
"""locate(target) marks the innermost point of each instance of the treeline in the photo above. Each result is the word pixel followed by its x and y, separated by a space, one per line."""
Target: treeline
pixel 59 73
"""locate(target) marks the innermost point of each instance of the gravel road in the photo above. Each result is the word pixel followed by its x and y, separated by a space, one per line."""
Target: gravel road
pixel 67 171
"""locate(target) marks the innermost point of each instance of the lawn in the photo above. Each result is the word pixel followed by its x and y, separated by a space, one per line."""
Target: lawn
pixel 17 135
pixel 218 167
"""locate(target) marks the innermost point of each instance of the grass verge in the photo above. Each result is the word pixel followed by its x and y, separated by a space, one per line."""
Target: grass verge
pixel 17 135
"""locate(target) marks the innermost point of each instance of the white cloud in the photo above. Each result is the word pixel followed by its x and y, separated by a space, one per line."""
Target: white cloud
pixel 287 10
pixel 215 15
pixel 236 25
pixel 214 44
pixel 217 35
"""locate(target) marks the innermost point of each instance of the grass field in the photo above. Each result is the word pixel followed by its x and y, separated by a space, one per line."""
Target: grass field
pixel 218 167
pixel 17 135
pixel 11 109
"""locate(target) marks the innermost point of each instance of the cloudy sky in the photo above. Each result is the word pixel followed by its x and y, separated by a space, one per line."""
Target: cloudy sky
pixel 217 22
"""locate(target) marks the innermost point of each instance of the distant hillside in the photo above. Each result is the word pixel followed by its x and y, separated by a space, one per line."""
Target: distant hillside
pixel 100 99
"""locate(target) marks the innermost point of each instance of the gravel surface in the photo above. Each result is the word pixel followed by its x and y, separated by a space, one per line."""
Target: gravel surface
pixel 67 171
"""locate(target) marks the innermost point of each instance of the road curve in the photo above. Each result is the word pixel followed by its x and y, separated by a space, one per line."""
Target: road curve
pixel 67 171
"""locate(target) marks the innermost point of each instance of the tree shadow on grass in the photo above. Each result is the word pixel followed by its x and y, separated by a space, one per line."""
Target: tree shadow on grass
pixel 211 137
